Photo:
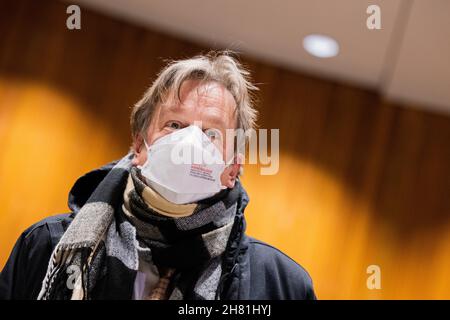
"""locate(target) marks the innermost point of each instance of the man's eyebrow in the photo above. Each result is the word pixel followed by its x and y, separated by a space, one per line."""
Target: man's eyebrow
pixel 173 116
pixel 215 122
pixel 169 106
pixel 212 121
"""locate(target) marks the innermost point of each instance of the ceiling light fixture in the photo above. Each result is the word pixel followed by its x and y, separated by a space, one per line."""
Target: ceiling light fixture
pixel 321 46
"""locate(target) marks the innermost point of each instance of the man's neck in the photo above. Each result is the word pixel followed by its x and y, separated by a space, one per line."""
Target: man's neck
pixel 158 203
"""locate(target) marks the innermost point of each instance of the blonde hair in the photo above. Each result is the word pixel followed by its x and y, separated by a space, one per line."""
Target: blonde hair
pixel 219 66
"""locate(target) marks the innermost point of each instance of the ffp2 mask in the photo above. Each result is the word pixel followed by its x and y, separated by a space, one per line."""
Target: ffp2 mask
pixel 184 166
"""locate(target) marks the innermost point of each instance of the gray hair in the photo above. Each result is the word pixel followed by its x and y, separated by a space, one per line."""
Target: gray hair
pixel 219 66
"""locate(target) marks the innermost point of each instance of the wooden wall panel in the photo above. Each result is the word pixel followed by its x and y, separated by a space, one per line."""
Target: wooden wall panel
pixel 361 181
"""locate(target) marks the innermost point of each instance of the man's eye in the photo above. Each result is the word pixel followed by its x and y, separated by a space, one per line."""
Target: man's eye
pixel 212 134
pixel 173 125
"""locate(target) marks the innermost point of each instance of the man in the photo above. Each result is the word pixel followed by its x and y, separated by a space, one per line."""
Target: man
pixel 154 225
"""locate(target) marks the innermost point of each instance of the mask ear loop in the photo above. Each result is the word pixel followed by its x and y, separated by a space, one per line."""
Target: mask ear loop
pixel 236 147
pixel 148 148
pixel 227 163
pixel 146 145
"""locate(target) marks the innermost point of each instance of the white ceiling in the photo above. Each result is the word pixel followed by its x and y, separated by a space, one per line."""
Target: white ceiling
pixel 407 60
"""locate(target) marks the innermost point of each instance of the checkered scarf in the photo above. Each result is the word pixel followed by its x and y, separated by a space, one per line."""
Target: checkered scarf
pixel 104 243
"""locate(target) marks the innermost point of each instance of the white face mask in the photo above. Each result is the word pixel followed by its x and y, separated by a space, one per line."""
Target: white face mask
pixel 184 166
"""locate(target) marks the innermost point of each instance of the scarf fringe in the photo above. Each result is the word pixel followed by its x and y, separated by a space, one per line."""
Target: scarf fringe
pixel 62 258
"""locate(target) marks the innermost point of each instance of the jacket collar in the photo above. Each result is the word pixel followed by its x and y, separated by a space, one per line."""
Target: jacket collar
pixel 85 186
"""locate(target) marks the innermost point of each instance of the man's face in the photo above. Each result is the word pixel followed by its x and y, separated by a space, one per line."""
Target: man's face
pixel 208 103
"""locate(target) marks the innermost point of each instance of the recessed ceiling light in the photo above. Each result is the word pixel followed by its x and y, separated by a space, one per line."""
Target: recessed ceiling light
pixel 320 45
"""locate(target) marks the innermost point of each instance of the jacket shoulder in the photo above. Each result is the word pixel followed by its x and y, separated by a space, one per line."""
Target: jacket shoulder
pixel 281 277
pixel 23 273
pixel 50 228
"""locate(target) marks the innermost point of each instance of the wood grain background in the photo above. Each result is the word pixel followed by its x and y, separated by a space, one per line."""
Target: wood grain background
pixel 362 181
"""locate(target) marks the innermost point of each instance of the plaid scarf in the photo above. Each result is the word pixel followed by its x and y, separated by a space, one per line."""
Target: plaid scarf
pixel 108 236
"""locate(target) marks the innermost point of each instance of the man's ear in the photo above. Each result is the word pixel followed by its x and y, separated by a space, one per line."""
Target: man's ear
pixel 137 149
pixel 232 171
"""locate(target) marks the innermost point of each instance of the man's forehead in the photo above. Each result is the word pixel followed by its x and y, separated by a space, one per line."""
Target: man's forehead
pixel 206 94
pixel 211 101
pixel 212 107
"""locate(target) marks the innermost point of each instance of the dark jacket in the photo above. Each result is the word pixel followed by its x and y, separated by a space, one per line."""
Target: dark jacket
pixel 251 268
